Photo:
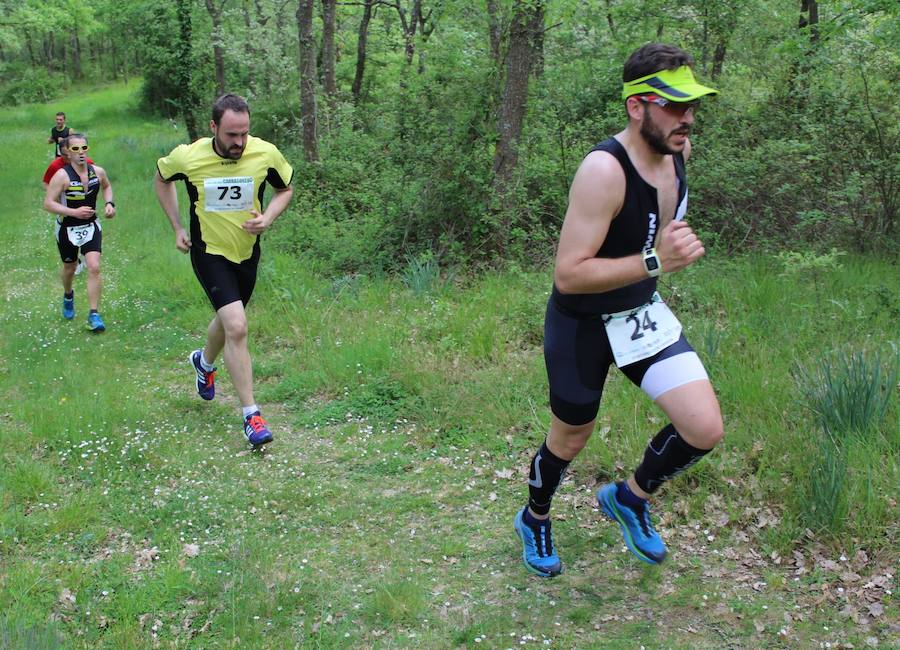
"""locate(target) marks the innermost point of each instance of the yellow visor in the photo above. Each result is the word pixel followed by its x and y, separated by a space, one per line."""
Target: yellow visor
pixel 676 85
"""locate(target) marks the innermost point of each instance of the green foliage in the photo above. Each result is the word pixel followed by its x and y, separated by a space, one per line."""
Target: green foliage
pixel 849 393
pixel 27 84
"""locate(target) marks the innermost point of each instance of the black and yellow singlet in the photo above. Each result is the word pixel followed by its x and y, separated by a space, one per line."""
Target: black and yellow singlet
pixel 76 194
pixel 222 191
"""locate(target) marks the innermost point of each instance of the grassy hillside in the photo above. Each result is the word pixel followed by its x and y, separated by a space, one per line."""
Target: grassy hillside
pixel 405 411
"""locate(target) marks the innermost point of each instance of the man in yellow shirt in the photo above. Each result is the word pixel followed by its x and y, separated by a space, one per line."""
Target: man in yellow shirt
pixel 225 177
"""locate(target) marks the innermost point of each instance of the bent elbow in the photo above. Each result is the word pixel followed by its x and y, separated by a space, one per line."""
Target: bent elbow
pixel 563 281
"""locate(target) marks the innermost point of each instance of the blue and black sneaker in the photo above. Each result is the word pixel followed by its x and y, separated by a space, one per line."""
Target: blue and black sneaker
pixel 640 537
pixel 538 551
pixel 68 308
pixel 206 379
pixel 257 431
pixel 95 323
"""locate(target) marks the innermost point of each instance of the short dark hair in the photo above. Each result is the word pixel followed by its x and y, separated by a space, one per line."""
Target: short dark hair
pixel 60 113
pixel 654 57
pixel 73 136
pixel 229 102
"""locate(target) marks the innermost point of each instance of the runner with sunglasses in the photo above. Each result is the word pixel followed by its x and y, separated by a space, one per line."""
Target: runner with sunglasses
pixel 52 168
pixel 625 226
pixel 72 195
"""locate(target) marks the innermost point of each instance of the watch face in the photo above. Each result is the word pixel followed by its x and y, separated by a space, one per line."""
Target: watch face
pixel 651 262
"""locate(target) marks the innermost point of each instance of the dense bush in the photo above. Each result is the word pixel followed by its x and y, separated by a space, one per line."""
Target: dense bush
pixel 24 84
pixel 801 149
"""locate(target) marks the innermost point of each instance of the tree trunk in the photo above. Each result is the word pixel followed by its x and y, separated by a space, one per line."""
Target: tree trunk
pixel 609 19
pixel 495 30
pixel 525 30
pixel 307 79
pixel 215 14
pixel 252 56
pixel 718 58
pixel 185 101
pixel 76 54
pixel 809 17
pixel 527 23
pixel 361 42
pixel 329 9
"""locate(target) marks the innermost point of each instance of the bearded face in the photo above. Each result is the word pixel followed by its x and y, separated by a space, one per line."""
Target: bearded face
pixel 658 134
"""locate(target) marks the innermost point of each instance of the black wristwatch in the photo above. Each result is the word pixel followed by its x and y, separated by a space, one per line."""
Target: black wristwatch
pixel 112 203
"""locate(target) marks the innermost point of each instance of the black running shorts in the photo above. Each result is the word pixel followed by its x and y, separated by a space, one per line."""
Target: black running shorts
pixel 68 252
pixel 225 281
pixel 578 356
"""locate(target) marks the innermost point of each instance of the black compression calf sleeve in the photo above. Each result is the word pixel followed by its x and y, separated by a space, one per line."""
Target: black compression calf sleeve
pixel 546 474
pixel 667 456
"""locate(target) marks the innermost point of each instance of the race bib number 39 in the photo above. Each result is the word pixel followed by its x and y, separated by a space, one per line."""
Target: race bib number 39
pixel 641 332
pixel 228 194
pixel 80 235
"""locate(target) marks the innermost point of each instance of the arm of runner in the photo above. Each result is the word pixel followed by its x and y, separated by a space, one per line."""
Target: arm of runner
pixel 51 199
pixel 596 197
pixel 109 209
pixel 259 222
pixel 168 199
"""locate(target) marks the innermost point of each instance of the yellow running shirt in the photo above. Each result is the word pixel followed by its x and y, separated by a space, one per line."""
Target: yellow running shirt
pixel 223 191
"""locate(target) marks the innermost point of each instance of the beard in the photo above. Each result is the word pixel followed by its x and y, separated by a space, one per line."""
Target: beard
pixel 657 140
pixel 233 153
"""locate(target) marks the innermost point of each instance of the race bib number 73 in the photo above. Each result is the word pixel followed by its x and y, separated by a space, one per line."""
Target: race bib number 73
pixel 641 332
pixel 228 194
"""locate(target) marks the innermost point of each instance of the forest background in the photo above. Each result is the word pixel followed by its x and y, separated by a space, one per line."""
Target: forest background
pixel 449 131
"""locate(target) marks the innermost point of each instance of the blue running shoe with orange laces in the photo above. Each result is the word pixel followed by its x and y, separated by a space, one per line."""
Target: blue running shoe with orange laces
pixel 640 537
pixel 257 430
pixel 538 551
pixel 206 379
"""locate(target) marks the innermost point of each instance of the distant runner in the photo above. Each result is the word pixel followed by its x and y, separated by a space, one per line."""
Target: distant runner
pixel 58 132
pixel 225 177
pixel 625 226
pixel 72 194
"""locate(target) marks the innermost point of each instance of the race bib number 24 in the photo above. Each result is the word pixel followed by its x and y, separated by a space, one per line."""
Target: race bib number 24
pixel 641 332
pixel 228 194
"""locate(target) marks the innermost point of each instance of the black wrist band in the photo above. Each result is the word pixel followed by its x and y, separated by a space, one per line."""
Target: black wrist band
pixel 112 203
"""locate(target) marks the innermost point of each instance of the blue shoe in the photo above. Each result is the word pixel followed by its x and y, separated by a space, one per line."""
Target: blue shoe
pixel 640 537
pixel 257 431
pixel 206 380
pixel 68 310
pixel 538 552
pixel 95 323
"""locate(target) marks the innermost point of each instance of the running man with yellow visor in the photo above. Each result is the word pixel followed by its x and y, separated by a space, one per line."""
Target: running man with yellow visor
pixel 624 226
pixel 226 176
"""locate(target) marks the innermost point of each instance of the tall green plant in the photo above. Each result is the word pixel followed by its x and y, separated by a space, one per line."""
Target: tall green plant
pixel 850 392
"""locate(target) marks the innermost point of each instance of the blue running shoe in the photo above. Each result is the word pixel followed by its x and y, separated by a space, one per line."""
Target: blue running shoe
pixel 95 323
pixel 538 552
pixel 68 309
pixel 640 537
pixel 257 431
pixel 206 380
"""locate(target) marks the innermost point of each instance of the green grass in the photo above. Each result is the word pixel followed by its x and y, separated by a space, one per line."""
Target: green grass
pixel 405 412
